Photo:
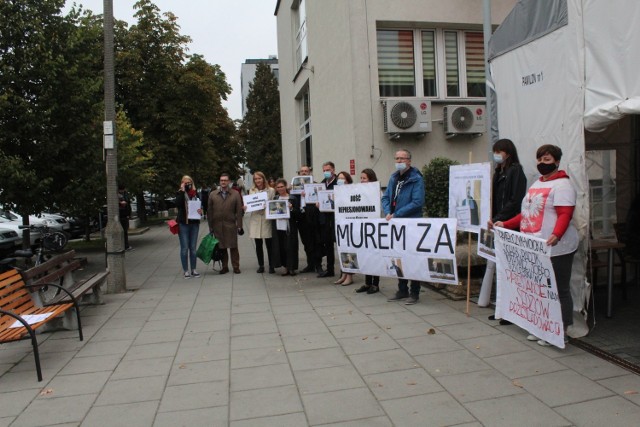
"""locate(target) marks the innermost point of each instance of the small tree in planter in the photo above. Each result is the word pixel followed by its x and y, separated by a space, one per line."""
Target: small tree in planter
pixel 436 187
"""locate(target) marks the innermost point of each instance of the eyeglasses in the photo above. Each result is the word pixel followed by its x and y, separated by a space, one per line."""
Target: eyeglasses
pixel 402 158
pixel 280 187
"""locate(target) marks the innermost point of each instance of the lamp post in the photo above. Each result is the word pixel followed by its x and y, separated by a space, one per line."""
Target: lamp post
pixel 116 280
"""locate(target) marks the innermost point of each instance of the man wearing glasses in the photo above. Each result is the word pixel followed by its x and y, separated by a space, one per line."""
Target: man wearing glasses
pixel 404 198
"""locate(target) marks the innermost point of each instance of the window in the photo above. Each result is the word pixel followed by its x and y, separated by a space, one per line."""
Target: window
pixel 601 170
pixel 300 27
pixel 433 63
pixel 305 129
pixel 396 63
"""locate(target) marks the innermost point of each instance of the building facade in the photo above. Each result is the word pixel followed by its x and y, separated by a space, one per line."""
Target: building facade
pixel 363 78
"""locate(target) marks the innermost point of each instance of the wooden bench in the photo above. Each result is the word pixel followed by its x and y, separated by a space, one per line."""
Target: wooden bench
pixel 17 304
pixel 60 269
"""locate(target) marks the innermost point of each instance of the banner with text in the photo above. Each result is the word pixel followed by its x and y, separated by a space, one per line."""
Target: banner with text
pixel 409 248
pixel 355 201
pixel 527 294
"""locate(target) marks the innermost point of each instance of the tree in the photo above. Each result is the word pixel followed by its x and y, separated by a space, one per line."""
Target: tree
pixel 260 129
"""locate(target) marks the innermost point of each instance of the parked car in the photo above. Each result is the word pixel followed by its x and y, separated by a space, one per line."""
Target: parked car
pixel 54 221
pixel 10 240
pixel 16 225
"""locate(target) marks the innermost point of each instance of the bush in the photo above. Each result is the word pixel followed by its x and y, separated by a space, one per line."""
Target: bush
pixel 436 186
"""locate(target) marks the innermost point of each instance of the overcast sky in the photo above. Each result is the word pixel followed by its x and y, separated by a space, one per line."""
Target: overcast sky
pixel 225 32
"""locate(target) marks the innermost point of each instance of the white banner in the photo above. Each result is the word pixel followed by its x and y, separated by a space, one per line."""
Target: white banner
pixel 527 294
pixel 358 201
pixel 470 195
pixel 410 248
pixel 255 201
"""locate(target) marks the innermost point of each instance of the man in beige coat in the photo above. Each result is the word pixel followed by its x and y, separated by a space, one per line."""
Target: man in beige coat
pixel 224 215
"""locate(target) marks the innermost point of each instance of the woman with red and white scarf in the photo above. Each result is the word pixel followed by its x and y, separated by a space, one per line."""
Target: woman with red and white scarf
pixel 546 213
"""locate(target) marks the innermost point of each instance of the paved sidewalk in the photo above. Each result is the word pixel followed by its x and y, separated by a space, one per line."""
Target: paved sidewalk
pixel 264 350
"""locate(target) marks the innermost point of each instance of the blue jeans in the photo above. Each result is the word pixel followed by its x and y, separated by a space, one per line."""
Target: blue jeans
pixel 188 240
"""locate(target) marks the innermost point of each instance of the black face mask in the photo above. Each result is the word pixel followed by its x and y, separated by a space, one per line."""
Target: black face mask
pixel 546 168
pixel 187 187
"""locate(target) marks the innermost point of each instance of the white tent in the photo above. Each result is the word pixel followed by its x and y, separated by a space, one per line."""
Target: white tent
pixel 558 67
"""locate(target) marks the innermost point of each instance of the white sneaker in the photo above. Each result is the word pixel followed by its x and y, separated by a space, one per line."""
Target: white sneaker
pixel 532 338
pixel 194 273
pixel 543 343
pixel 187 275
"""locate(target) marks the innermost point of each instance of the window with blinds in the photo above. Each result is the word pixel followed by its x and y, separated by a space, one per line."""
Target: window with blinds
pixel 429 82
pixel 451 63
pixel 474 55
pixel 396 65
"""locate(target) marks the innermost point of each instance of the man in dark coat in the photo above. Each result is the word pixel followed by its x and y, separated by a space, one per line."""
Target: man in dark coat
pixel 124 212
pixel 224 215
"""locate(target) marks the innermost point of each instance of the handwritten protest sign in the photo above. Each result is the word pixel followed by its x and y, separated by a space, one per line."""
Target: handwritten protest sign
pixel 410 248
pixel 527 294
pixel 255 201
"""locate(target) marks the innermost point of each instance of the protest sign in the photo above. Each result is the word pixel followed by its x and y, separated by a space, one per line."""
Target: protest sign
pixel 470 195
pixel 527 294
pixel 326 201
pixel 357 201
pixel 486 245
pixel 277 209
pixel 311 192
pixel 411 248
pixel 298 183
pixel 255 201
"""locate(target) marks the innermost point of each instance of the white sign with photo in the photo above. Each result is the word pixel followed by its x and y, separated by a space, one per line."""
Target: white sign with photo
pixel 527 294
pixel 470 195
pixel 256 201
pixel 326 201
pixel 486 245
pixel 411 248
pixel 311 192
pixel 277 209
pixel 357 201
pixel 298 183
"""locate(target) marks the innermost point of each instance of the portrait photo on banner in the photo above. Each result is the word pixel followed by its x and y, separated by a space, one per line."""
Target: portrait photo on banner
pixel 277 209
pixel 470 195
pixel 486 244
pixel 298 182
pixel 349 261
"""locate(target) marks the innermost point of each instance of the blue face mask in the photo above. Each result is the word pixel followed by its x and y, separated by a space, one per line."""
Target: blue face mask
pixel 400 166
pixel 340 182
pixel 327 174
pixel 498 158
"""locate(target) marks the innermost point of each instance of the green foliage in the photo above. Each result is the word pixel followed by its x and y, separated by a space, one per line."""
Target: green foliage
pixel 436 180
pixel 260 129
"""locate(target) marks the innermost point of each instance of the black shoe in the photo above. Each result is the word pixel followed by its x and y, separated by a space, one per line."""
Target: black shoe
pixel 260 269
pixel 399 297
pixel 373 289
pixel 326 274
pixel 411 300
pixel 363 288
pixel 505 322
pixel 308 269
pixel 224 271
pixel 492 317
pixel 272 270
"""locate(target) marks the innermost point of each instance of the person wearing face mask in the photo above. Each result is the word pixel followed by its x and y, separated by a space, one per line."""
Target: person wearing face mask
pixel 325 235
pixel 546 213
pixel 189 227
pixel 404 198
pixel 509 188
pixel 224 215
pixel 345 279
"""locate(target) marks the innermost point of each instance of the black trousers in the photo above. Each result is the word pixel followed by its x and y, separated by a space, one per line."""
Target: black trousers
pixel 260 252
pixel 125 227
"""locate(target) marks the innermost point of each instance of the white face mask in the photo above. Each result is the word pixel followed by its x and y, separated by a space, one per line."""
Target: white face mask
pixel 400 166
pixel 340 182
pixel 498 158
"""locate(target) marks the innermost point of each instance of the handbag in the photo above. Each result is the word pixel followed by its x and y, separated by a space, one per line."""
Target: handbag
pixel 174 227
pixel 207 247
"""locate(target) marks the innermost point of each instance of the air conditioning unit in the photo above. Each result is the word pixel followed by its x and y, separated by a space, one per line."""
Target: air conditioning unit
pixel 464 119
pixel 407 116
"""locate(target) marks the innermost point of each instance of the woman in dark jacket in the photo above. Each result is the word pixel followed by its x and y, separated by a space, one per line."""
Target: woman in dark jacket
pixel 188 227
pixel 284 235
pixel 509 188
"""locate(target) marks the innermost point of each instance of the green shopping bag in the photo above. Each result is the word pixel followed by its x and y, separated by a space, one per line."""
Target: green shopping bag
pixel 205 250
